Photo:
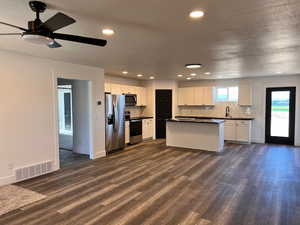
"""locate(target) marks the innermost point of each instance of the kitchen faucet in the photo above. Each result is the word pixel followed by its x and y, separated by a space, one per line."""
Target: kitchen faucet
pixel 227 113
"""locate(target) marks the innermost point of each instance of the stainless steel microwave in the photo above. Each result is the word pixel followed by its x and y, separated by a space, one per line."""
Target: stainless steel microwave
pixel 130 99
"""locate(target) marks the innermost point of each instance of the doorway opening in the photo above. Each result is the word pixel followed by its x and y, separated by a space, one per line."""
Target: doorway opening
pixel 163 111
pixel 73 117
pixel 280 115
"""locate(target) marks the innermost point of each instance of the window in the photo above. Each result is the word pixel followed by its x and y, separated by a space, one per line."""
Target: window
pixel 65 109
pixel 227 94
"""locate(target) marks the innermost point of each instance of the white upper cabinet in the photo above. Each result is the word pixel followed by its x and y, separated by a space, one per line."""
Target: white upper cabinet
pixel 245 95
pixel 141 96
pixel 196 96
pixel 116 89
pixel 107 87
pixel 199 96
pixel 186 96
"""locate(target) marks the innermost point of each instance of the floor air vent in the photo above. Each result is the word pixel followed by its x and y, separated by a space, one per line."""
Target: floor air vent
pixel 33 171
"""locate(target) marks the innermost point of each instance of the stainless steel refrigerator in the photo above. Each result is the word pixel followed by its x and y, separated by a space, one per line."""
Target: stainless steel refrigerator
pixel 114 122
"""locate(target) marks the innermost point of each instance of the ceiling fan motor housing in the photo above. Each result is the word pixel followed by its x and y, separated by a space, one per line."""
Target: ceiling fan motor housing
pixel 37 6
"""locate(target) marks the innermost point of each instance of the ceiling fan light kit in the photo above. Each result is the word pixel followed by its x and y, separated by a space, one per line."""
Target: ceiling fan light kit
pixel 39 32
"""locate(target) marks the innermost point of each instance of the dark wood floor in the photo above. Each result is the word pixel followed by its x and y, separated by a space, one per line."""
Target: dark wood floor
pixel 152 184
pixel 68 158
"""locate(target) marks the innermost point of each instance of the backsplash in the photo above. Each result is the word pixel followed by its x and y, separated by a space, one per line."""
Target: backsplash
pixel 217 111
pixel 135 111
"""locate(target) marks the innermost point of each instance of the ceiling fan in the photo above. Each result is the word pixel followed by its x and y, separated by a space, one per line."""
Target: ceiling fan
pixel 44 33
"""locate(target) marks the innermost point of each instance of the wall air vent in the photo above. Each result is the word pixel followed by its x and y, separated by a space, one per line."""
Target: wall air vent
pixel 33 171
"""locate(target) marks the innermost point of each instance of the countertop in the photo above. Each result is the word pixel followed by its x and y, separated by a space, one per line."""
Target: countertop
pixel 192 120
pixel 216 118
pixel 140 118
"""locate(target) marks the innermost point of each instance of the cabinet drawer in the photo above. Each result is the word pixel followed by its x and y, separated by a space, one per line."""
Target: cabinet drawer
pixel 242 123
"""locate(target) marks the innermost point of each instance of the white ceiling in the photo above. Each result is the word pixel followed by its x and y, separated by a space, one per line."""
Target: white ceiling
pixel 236 38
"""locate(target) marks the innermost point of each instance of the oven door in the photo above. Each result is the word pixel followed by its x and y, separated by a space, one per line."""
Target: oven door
pixel 136 129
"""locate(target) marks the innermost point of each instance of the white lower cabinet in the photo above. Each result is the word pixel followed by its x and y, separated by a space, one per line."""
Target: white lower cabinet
pixel 147 129
pixel 237 130
pixel 127 132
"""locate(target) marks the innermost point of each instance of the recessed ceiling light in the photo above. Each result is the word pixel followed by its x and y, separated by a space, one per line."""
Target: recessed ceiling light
pixel 188 78
pixel 179 75
pixel 193 66
pixel 108 32
pixel 139 75
pixel 207 73
pixel 196 14
pixel 125 72
pixel 193 74
pixel 279 72
pixel 151 78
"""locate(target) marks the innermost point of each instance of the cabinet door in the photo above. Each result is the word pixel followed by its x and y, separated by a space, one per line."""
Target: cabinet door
pixel 127 132
pixel 141 96
pixel 229 130
pixel 145 129
pixel 199 97
pixel 181 96
pixel 208 96
pixel 150 128
pixel 245 95
pixel 107 87
pixel 116 89
pixel 243 129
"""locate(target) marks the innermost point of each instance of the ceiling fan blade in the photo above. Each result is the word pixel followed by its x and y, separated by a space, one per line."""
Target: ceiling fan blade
pixel 7 24
pixel 57 22
pixel 4 34
pixel 80 39
pixel 54 44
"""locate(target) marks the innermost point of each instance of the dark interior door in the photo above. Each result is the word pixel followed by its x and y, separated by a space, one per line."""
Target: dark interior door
pixel 280 115
pixel 163 99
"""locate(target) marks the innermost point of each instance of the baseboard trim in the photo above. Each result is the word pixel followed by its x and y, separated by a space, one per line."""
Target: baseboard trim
pixel 258 140
pixel 7 180
pixel 99 155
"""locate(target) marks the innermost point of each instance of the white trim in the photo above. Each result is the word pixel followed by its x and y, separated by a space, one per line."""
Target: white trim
pixel 7 180
pixel 100 154
pixel 56 75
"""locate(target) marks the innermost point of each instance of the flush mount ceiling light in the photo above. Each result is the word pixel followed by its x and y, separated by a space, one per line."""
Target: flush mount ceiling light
pixel 125 72
pixel 108 32
pixel 188 78
pixel 193 74
pixel 193 66
pixel 37 39
pixel 179 75
pixel 152 78
pixel 207 73
pixel 139 75
pixel 197 14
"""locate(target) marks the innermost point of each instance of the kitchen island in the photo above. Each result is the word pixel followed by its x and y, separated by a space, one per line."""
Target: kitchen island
pixel 200 134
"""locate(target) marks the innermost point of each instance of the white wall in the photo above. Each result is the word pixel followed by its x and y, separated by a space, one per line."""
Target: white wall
pixel 28 110
pixel 259 86
pixel 81 102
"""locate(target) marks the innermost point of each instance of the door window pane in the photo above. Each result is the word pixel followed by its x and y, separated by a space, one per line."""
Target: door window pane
pixel 280 113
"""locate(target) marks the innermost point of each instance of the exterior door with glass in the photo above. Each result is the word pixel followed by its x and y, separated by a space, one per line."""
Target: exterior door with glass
pixel 280 115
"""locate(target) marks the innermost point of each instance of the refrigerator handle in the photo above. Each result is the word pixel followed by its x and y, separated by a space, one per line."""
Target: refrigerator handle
pixel 114 117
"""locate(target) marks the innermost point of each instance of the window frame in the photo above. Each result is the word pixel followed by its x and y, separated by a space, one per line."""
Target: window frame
pixel 228 94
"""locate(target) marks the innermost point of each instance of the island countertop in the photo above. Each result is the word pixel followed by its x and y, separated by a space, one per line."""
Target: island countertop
pixel 194 120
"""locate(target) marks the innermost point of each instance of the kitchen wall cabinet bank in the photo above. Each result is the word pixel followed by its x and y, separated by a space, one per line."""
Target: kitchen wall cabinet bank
pixel 245 95
pixel 119 89
pixel 237 130
pixel 196 96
